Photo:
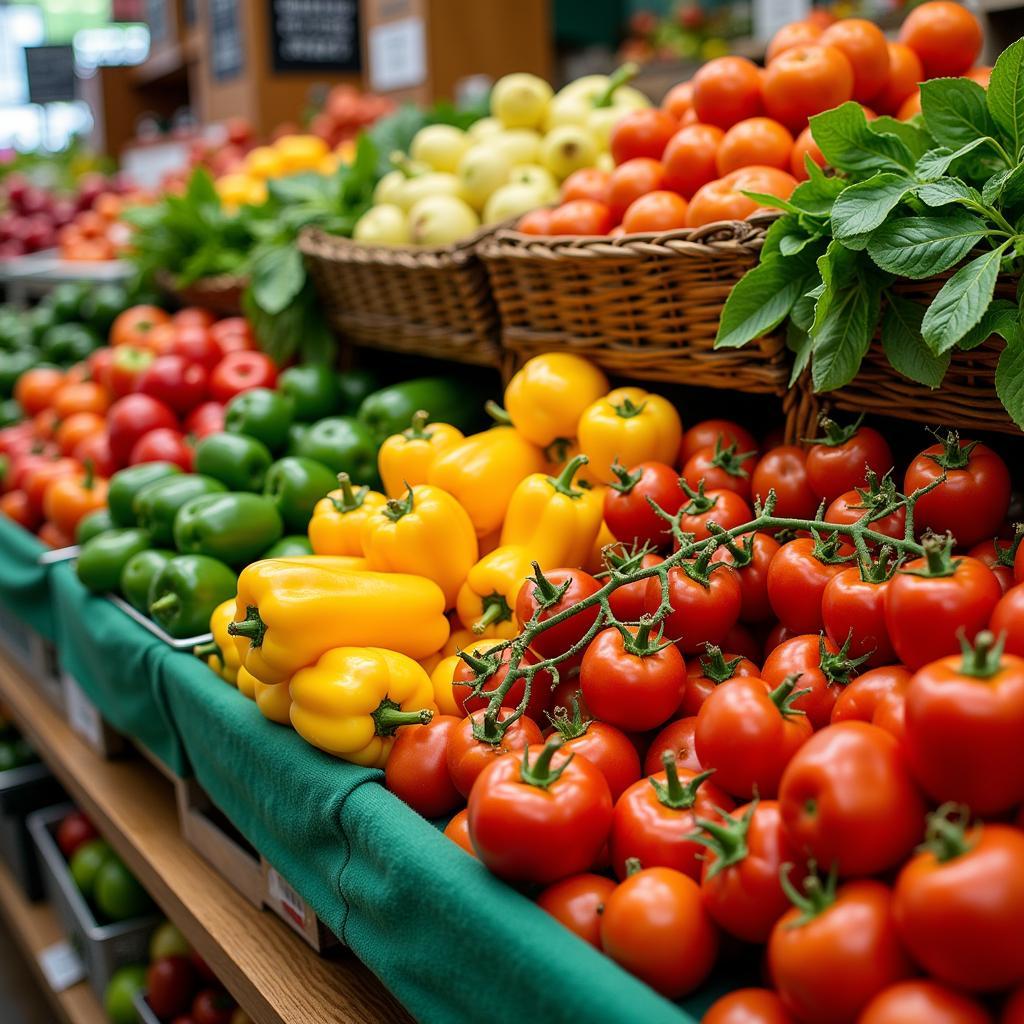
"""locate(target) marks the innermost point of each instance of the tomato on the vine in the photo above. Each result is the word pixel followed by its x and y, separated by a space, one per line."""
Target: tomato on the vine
pixel 627 509
pixel 604 746
pixel 848 800
pixel 839 461
pixel 922 1000
pixel 748 1006
pixel 999 558
pixel 784 471
pixel 878 697
pixel 492 667
pixel 627 602
pixel 704 599
pixel 853 607
pixel 721 469
pixel 468 756
pixel 677 739
pixel 553 592
pixel 849 508
pixel 417 767
pixel 577 903
pixel 709 671
pixel 750 555
pixel 723 507
pixel 797 577
pixel 715 434
pixel 1008 620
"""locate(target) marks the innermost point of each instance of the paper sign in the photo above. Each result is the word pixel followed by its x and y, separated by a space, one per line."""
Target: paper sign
pixel 290 901
pixel 82 714
pixel 398 55
pixel 61 966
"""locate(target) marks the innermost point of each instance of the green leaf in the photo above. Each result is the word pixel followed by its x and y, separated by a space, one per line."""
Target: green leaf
pixel 799 343
pixel 955 111
pixel 919 247
pixel 773 202
pixel 947 191
pixel 278 275
pixel 790 245
pixel 844 138
pixel 1006 95
pixel 862 207
pixel 992 189
pixel 844 336
pixel 816 195
pixel 936 162
pixel 779 228
pixel 1002 317
pixel 915 138
pixel 1010 380
pixel 1012 192
pixel 802 313
pixel 760 300
pixel 961 301
pixel 905 348
pixel 835 268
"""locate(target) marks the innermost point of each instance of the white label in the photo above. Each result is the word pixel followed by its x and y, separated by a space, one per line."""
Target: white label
pixel 398 55
pixel 293 905
pixel 61 966
pixel 770 15
pixel 82 714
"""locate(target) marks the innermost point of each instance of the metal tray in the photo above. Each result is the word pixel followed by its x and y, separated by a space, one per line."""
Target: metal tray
pixel 185 644
pixel 143 1011
pixel 22 791
pixel 55 555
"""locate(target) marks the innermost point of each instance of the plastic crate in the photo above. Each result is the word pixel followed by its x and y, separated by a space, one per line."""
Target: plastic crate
pixel 22 791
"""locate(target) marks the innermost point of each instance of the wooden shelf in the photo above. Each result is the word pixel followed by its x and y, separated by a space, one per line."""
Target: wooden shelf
pixel 35 928
pixel 274 976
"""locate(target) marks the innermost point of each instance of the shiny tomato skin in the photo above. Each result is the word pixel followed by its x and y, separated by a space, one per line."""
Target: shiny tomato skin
pixel 457 830
pixel 240 371
pixel 848 800
pixel 163 445
pixel 700 614
pixel 677 739
pixel 833 469
pixel 847 509
pixel 641 133
pixel 627 602
pixel 746 898
pixel 828 968
pixel 748 1006
pixel 655 926
pixel 657 834
pixel 610 750
pixel 986 552
pixel 527 833
pixel 629 515
pixel 701 466
pixel 577 902
pixel 855 608
pixel 1008 620
pixel 878 696
pixel 631 180
pixel 129 418
pixel 922 1000
pixel 699 685
pixel 924 615
pixel 962 733
pixel 747 739
pixel 417 767
pixel 802 654
pixel 970 503
pixel 632 692
pixel 467 757
pixel 960 918
pixel 559 639
pixel 796 581
pixel 1013 1008
pixel 540 688
pixel 729 511
pixel 708 433
pixel 1018 565
pixel 754 603
pixel 784 470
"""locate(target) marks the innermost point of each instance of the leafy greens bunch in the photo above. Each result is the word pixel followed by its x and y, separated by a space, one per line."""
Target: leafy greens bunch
pixel 907 201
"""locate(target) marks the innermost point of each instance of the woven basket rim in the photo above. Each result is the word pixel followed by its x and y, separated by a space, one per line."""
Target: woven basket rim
pixel 209 285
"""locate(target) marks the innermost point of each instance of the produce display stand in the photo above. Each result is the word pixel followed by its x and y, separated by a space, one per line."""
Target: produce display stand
pixel 35 275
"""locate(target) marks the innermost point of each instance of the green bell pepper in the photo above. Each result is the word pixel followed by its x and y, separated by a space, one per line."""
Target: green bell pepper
pixel 260 413
pixel 102 306
pixel 296 432
pixel 185 592
pixel 291 546
pixel 12 366
pixel 157 504
pixel 65 344
pixel 296 485
pixel 232 527
pixel 103 558
pixel 138 574
pixel 10 412
pixel 126 483
pixel 389 411
pixel 342 444
pixel 237 461
pixel 312 390
pixel 66 301
pixel 354 386
pixel 39 321
pixel 93 524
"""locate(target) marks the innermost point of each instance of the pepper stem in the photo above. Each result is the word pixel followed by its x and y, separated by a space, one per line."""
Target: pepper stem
pixel 396 508
pixel 252 626
pixel 496 609
pixel 627 408
pixel 416 431
pixel 497 413
pixel 620 76
pixel 350 499
pixel 389 717
pixel 207 650
pixel 168 604
pixel 540 773
pixel 563 482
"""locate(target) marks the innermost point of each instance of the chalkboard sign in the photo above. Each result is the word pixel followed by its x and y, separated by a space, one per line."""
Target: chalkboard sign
pixel 315 35
pixel 227 57
pixel 51 73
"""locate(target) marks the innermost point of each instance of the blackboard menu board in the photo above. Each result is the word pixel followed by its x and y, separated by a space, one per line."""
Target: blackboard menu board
pixel 315 35
pixel 51 73
pixel 227 57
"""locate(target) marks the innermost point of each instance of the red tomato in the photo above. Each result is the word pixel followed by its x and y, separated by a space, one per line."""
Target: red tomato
pixel 607 748
pixel 921 1000
pixel 796 581
pixel 179 385
pixel 740 879
pixel 16 506
pixel 193 316
pixel 715 434
pixel 655 212
pixel 678 100
pixel 924 614
pixel 964 719
pixel 727 90
pixel 541 818
pixel 586 183
pixel 468 756
pixel 134 325
pixel 232 334
pixel 240 371
pixel 36 480
pixel 853 608
pixel 631 180
pixel 709 672
pixel 726 198
pixel 999 558
pixel 796 33
pixel 838 461
pixel 1008 620
pixel 655 817
pixel 457 830
pixel 494 668
pixel 721 469
pixel 755 140
pixel 213 1006
pixel 581 217
pixel 635 686
pixel 848 800
pixel 849 508
pixel 748 732
pixel 804 147
pixel 641 133
pixel 675 739
pixel 958 904
pixel 1018 564
pixel 204 420
pixel 74 830
pixel 834 951
pixel 195 344
pixel 96 449
pixel 784 471
pixel 945 36
pixel 750 557
pixel 1013 1009
pixel 865 48
pixel 655 926
pixel 725 508
pixel 971 502
pixel 627 602
pixel 126 367
pixel 705 605
pixel 748 1006
pixel 742 641
pixel 627 503
pixel 577 903
pixel 162 445
pixel 805 80
pixel 689 158
pixel 535 222
pixel 131 417
pixel 878 697
pixel 170 983
pixel 417 768
pixel 565 588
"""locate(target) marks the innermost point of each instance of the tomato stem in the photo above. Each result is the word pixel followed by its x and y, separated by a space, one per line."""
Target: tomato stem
pixel 984 659
pixel 785 694
pixel 835 435
pixel 627 409
pixel 570 728
pixel 714 665
pixel 729 460
pixel 545 592
pixel 672 793
pixel 817 896
pixel 954 455
pixel 726 839
pixel 540 773
pixel 624 481
pixel 699 503
pixel 945 834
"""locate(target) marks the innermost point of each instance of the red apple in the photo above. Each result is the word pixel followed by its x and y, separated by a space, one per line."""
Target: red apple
pixel 74 830
pixel 171 982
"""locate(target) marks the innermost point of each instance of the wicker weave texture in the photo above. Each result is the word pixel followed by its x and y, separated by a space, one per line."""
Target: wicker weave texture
pixel 221 295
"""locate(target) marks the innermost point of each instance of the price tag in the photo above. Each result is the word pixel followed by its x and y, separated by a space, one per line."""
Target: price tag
pixel 82 714
pixel 398 55
pixel 61 966
pixel 293 905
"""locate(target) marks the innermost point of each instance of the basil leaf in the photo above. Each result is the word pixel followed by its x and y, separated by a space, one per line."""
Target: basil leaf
pixel 777 230
pixel 790 245
pixel 946 191
pixel 1012 192
pixel 1010 380
pixel 802 313
pixel 863 207
pixel 844 337
pixel 278 275
pixel 918 247
pixel 772 202
pixel 844 138
pixel 961 301
pixel 816 195
pixel 835 267
pixel 905 348
pixel 760 300
pixel 936 162
pixel 955 111
pixel 915 138
pixel 799 343
pixel 1006 95
pixel 1001 317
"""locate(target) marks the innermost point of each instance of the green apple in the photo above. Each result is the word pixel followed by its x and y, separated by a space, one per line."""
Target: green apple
pixel 481 170
pixel 86 862
pixel 512 200
pixel 440 145
pixel 117 892
pixel 441 220
pixel 540 177
pixel 385 224
pixel 520 100
pixel 168 941
pixel 520 145
pixel 119 999
pixel 567 148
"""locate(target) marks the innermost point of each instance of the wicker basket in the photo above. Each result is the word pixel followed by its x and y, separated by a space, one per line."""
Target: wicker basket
pixel 421 301
pixel 967 398
pixel 221 294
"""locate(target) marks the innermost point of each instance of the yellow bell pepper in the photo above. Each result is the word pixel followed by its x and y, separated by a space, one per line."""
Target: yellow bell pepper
pixel 632 426
pixel 336 525
pixel 559 453
pixel 426 533
pixel 274 702
pixel 486 602
pixel 459 640
pixel 220 654
pixel 482 472
pixel 246 683
pixel 595 563
pixel 404 459
pixel 430 662
pixel 354 699
pixel 289 613
pixel 546 398
pixel 443 677
pixel 556 522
